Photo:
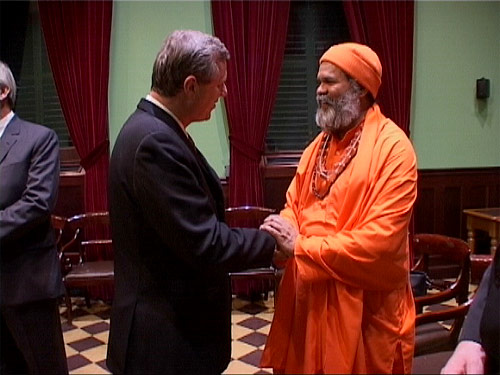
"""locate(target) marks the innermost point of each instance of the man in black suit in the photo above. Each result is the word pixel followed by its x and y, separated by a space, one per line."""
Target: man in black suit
pixel 31 335
pixel 171 312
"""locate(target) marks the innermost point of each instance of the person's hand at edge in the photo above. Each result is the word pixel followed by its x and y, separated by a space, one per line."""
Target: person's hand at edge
pixel 468 358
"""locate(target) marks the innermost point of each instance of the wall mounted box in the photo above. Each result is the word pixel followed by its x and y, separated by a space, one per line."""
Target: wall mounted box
pixel 483 88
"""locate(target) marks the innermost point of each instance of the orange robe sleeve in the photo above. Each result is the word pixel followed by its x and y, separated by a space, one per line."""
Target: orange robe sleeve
pixel 370 251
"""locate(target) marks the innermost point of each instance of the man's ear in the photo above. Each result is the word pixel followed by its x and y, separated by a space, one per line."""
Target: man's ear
pixel 190 85
pixel 4 92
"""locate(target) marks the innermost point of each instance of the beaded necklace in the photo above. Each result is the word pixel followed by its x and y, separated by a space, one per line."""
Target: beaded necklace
pixel 320 170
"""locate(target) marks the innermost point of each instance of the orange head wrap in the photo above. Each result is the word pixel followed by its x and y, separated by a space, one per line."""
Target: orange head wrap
pixel 359 62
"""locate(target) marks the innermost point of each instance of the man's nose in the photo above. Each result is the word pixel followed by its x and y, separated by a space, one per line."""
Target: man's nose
pixel 321 90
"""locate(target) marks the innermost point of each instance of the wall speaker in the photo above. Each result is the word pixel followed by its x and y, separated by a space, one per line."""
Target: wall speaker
pixel 483 88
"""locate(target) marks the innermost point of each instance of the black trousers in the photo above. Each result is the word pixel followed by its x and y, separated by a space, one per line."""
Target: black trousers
pixel 31 339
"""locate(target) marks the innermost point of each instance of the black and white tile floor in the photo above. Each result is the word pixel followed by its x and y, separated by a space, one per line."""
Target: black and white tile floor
pixel 87 337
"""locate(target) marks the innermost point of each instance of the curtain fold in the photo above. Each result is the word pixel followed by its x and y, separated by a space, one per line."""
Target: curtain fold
pixel 77 35
pixel 255 34
pixel 387 27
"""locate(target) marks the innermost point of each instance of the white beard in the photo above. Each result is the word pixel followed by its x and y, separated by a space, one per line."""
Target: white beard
pixel 340 115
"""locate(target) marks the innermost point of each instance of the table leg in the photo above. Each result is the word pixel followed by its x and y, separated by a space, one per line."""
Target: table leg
pixel 493 245
pixel 470 240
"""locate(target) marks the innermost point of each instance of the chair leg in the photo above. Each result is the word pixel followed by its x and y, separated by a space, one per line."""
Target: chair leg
pixel 69 307
pixel 87 299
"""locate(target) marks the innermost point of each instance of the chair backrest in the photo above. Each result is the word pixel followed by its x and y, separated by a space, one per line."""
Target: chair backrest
pixel 247 216
pixel 58 223
pixel 90 233
pixel 252 282
pixel 446 260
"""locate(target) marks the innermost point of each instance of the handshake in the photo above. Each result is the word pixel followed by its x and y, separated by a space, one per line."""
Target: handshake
pixel 285 235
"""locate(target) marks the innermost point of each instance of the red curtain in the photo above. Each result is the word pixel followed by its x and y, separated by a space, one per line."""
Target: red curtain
pixel 387 27
pixel 255 34
pixel 77 35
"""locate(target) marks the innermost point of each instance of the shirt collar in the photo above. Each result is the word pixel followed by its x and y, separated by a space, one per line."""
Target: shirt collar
pixel 149 98
pixel 5 121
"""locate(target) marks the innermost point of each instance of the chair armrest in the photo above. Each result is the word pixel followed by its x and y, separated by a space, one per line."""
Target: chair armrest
pixel 434 298
pixel 450 313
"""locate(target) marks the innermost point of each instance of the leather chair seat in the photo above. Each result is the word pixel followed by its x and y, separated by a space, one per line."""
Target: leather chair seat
pixel 99 270
pixel 432 337
pixel 430 363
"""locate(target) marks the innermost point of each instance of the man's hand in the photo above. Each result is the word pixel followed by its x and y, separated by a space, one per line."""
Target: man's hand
pixel 283 232
pixel 468 358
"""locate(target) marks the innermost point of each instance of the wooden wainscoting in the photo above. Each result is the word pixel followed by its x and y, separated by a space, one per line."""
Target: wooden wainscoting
pixel 442 195
pixel 70 200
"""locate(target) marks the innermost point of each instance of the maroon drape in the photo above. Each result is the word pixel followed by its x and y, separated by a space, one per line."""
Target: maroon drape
pixel 77 35
pixel 255 34
pixel 387 27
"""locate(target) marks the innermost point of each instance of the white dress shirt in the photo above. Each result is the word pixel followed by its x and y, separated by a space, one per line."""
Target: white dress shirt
pixel 149 98
pixel 5 121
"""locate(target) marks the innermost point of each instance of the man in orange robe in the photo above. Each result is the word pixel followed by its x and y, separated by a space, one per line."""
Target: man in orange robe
pixel 345 302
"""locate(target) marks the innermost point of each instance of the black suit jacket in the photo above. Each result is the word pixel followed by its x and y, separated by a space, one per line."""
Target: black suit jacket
pixel 29 180
pixel 482 323
pixel 171 312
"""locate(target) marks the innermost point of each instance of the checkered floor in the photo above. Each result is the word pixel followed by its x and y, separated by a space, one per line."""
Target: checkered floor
pixel 87 337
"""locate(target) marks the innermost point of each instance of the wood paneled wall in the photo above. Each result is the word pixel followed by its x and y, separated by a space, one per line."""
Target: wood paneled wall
pixel 70 200
pixel 442 195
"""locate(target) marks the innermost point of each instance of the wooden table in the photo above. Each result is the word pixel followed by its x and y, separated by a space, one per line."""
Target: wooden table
pixel 487 219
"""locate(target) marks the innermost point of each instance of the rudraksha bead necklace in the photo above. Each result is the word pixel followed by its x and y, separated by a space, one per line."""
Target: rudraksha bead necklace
pixel 320 170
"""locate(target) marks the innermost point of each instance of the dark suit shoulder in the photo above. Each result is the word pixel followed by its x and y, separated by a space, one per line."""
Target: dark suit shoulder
pixel 30 127
pixel 141 124
pixel 142 127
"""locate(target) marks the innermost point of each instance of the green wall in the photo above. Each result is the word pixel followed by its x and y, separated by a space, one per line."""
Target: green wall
pixel 139 28
pixel 455 44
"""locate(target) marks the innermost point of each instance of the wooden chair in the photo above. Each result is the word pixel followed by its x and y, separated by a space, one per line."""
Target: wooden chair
pixel 479 263
pixel 252 217
pixel 448 299
pixel 58 223
pixel 85 273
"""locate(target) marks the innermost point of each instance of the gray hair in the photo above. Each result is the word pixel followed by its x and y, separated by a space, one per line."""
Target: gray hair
pixel 7 80
pixel 358 88
pixel 184 53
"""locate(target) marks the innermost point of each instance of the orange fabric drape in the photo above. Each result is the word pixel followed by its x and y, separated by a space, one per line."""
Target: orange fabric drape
pixel 345 303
